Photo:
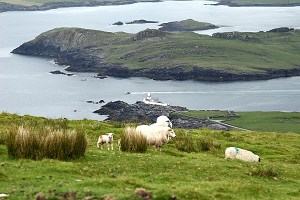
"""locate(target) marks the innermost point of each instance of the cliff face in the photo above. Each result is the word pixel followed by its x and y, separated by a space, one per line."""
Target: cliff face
pixel 151 53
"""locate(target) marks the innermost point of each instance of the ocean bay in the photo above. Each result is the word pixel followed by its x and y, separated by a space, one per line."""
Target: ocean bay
pixel 27 87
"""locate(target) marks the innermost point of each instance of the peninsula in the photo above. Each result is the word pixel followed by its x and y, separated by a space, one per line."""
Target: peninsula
pixel 163 55
pixel 33 5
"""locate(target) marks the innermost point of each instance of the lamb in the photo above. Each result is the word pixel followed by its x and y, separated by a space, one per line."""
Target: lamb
pixel 163 121
pixel 108 139
pixel 241 154
pixel 156 135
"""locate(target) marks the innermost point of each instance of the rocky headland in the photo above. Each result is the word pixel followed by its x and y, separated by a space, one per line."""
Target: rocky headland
pixel 161 55
pixel 140 112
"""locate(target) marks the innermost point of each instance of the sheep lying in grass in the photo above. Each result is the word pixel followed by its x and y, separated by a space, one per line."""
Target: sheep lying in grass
pixel 163 121
pixel 108 139
pixel 241 154
pixel 156 135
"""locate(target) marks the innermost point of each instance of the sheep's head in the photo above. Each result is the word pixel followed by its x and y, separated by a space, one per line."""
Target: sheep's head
pixel 164 121
pixel 257 158
pixel 110 136
pixel 171 133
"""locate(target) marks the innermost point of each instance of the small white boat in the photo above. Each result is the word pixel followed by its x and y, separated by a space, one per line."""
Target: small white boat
pixel 149 100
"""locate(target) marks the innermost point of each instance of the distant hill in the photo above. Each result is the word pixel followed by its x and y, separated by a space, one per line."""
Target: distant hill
pixel 163 55
pixel 31 5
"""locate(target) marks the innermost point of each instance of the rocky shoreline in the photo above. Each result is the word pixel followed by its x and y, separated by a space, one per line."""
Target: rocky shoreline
pixel 141 113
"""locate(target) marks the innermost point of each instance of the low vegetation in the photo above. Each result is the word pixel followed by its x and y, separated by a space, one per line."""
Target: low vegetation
pixel 196 174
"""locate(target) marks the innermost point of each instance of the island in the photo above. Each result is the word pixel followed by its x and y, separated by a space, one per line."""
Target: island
pixel 186 25
pixel 160 55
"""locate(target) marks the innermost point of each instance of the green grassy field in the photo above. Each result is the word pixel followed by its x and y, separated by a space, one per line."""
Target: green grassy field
pixel 198 175
pixel 281 122
pixel 268 121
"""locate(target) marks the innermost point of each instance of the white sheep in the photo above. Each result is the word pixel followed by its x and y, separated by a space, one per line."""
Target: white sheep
pixel 241 154
pixel 108 139
pixel 156 135
pixel 163 121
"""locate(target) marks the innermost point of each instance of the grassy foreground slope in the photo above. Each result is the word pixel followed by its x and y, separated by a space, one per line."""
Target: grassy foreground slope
pixel 201 175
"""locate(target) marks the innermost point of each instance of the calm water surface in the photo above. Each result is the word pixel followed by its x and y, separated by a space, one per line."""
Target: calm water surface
pixel 27 87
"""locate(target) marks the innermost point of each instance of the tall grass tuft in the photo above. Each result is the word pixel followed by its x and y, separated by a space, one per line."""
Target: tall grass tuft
pixel 132 141
pixel 264 171
pixel 36 143
pixel 185 143
pixel 205 144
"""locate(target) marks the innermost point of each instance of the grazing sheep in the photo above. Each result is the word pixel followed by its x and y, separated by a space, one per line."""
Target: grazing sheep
pixel 156 135
pixel 163 121
pixel 241 154
pixel 108 139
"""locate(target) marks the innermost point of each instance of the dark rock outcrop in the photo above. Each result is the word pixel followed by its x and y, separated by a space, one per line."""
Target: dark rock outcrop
pixel 118 23
pixel 147 114
pixel 281 30
pixel 60 72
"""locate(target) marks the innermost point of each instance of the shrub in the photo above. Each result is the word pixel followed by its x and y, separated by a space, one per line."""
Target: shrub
pixel 132 141
pixel 35 143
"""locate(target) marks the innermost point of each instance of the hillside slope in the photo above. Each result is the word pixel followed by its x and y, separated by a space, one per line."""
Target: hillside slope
pixel 168 173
